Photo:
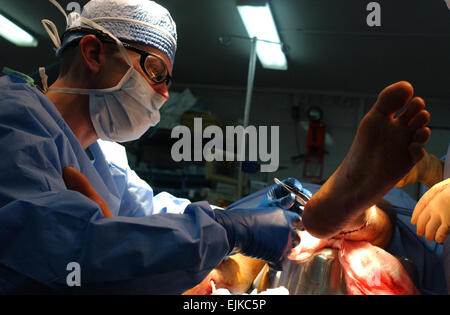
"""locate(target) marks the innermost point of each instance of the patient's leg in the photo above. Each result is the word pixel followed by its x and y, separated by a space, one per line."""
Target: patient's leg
pixel 373 226
pixel 383 151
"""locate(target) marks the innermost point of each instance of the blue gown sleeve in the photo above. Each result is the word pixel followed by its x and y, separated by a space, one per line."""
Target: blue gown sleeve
pixel 45 226
pixel 137 197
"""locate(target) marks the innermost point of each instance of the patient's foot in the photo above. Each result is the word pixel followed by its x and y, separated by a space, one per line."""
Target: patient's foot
pixel 373 225
pixel 383 151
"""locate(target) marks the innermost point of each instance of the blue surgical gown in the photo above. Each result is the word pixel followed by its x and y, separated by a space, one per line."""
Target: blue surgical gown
pixel 153 244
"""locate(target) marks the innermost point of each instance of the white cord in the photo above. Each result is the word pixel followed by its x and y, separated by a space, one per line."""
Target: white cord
pixel 44 79
pixel 50 27
pixel 52 32
pixel 56 4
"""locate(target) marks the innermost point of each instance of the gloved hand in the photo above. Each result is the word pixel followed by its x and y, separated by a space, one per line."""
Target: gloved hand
pixel 279 197
pixel 432 213
pixel 428 171
pixel 263 233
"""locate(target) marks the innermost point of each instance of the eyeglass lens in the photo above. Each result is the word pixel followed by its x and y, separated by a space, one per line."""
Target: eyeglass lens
pixel 155 68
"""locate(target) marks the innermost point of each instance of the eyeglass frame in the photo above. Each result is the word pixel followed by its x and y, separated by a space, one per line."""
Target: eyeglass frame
pixel 144 54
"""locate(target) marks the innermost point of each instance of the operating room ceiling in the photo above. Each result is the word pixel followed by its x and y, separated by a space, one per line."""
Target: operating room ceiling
pixel 330 46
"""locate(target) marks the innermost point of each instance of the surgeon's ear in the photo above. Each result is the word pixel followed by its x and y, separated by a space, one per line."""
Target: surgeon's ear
pixel 92 52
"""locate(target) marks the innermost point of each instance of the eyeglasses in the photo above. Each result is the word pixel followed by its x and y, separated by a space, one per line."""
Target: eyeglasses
pixel 153 66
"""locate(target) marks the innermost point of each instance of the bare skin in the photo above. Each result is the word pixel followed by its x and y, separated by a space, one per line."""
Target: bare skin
pixel 373 226
pixel 429 171
pixel 383 151
pixel 235 274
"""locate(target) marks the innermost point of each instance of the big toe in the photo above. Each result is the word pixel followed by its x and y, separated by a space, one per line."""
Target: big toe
pixel 394 97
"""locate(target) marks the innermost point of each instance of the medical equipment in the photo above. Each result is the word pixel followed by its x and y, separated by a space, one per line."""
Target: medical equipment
pixel 301 197
pixel 322 274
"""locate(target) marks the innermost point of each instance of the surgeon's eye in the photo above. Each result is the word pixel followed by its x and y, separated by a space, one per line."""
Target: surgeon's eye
pixel 156 69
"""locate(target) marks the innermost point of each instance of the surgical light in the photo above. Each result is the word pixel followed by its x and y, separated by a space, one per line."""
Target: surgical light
pixel 15 34
pixel 259 22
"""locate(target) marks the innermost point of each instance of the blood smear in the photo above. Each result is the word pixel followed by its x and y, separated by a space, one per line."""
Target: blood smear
pixel 371 270
pixel 368 269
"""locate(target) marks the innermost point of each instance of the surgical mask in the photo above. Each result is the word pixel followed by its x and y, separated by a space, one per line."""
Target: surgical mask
pixel 126 111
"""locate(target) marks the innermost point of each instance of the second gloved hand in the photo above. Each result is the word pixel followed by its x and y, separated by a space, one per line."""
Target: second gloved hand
pixel 263 233
pixel 279 197
pixel 428 171
pixel 432 213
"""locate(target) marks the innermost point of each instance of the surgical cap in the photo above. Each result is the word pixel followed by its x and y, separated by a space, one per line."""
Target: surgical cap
pixel 139 21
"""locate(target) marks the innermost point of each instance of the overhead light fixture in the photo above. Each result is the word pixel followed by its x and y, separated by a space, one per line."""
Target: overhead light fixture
pixel 259 22
pixel 15 34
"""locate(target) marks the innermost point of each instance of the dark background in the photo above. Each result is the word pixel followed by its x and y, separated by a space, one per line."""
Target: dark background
pixel 330 45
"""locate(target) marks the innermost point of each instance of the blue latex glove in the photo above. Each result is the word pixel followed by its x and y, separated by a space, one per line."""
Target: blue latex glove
pixel 263 233
pixel 279 197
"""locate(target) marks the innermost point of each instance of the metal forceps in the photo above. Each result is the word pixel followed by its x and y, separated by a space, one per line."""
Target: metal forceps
pixel 299 196
pixel 302 199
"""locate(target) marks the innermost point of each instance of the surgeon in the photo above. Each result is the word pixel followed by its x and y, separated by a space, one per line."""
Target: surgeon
pixel 75 218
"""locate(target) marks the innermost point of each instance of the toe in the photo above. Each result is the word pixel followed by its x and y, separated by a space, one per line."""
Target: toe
pixel 394 97
pixel 416 151
pixel 422 135
pixel 414 107
pixel 420 120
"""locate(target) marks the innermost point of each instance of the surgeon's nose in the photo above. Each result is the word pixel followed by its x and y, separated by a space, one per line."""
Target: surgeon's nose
pixel 161 89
